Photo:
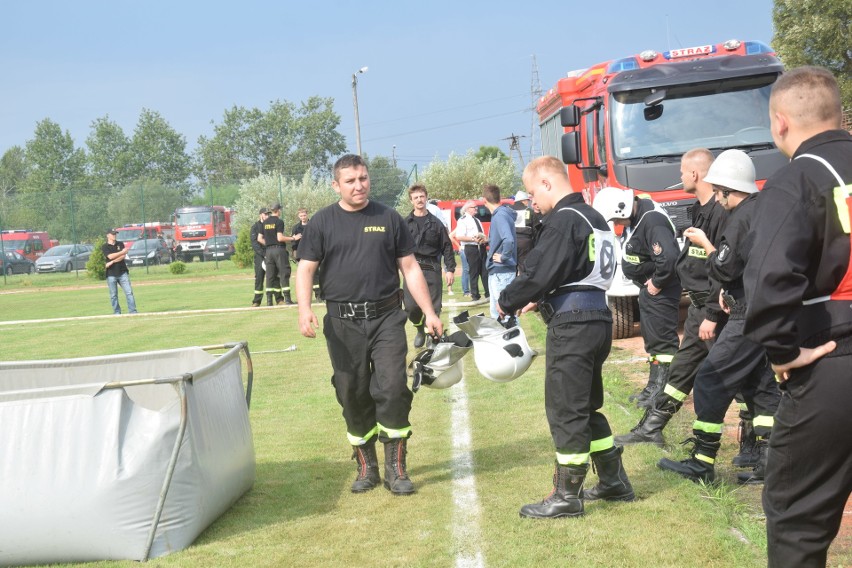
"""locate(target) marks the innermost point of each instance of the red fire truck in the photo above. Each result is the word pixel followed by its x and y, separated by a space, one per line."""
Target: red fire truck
pixel 194 224
pixel 627 122
pixel 29 243
pixel 129 234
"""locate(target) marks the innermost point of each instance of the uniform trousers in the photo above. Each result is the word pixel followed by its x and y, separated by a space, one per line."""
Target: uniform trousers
pixel 733 364
pixel 573 385
pixel 658 320
pixel 476 259
pixel 692 351
pixel 259 275
pixel 809 466
pixel 368 359
pixel 436 290
pixel 277 270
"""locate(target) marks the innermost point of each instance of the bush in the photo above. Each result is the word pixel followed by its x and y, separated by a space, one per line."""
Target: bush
pixel 177 267
pixel 96 266
pixel 244 254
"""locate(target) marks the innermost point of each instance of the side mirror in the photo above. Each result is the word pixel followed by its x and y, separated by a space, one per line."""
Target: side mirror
pixel 571 148
pixel 569 116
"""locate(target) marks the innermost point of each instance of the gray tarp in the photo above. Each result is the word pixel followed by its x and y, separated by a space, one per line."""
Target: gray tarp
pixel 87 448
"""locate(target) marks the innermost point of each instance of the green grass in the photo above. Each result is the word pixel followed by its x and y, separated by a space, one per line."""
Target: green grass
pixel 300 511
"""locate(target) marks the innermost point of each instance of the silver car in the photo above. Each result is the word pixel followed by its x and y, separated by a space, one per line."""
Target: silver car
pixel 64 258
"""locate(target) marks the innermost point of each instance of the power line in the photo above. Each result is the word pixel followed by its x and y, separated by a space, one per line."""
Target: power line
pixel 480 103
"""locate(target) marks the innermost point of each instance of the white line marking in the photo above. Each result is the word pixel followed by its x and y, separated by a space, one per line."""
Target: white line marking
pixel 466 516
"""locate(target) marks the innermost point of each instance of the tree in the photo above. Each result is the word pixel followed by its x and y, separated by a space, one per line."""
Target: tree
pixel 285 138
pixel 109 155
pixel 462 177
pixel 489 152
pixel 387 183
pixel 13 171
pixel 816 32
pixel 158 152
pixel 143 201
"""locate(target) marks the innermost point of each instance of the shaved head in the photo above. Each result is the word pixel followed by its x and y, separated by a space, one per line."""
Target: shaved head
pixel 807 95
pixel 699 159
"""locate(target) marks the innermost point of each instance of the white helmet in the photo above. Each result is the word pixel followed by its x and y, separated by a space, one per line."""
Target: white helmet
pixel 440 367
pixel 501 355
pixel 734 170
pixel 614 203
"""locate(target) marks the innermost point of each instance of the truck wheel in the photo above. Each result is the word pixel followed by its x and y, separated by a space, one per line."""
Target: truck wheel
pixel 622 316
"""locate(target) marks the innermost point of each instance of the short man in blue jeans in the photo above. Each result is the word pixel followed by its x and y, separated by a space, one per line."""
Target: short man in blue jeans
pixel 117 274
pixel 503 251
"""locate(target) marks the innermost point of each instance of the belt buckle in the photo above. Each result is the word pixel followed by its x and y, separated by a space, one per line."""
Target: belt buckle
pixel 546 311
pixel 371 310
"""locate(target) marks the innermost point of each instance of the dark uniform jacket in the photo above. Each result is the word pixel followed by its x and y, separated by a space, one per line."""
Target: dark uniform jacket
pixel 561 255
pixel 800 252
pixel 651 250
pixel 727 263
pixel 431 242
pixel 258 248
pixel 692 262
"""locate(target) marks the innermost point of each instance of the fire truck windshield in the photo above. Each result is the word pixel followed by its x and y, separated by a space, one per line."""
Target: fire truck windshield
pixel 129 234
pixel 14 245
pixel 194 218
pixel 730 113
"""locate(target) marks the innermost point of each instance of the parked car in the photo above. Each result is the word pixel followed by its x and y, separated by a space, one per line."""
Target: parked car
pixel 148 251
pixel 13 262
pixel 220 247
pixel 64 258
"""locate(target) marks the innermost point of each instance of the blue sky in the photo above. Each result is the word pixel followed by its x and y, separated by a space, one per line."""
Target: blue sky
pixel 443 76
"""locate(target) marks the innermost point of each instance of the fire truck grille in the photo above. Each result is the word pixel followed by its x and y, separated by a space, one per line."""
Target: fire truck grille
pixel 680 215
pixel 194 234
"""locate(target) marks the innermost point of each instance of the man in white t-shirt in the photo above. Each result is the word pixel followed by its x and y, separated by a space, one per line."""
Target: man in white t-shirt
pixel 471 238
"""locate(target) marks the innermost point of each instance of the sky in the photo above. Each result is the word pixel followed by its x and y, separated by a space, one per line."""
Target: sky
pixel 443 76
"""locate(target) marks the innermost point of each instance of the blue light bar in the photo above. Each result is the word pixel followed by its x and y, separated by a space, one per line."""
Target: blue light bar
pixel 626 64
pixel 753 47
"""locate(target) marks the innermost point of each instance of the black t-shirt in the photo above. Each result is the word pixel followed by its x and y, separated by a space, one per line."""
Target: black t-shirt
pixel 271 227
pixel 118 268
pixel 357 251
pixel 298 229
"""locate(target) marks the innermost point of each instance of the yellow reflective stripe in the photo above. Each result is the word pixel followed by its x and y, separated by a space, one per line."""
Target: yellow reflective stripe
pixel 840 196
pixel 394 434
pixel 593 254
pixel 705 459
pixel 601 445
pixel 697 252
pixel 663 358
pixel 742 406
pixel 763 420
pixel 674 393
pixel 632 259
pixel 572 459
pixel 361 440
pixel 258 292
pixel 708 427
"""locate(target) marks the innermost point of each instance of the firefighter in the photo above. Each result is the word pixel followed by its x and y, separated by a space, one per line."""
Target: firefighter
pixel 431 242
pixel 799 287
pixel 734 362
pixel 524 222
pixel 568 272
pixel 359 246
pixel 277 258
pixel 649 259
pixel 259 254
pixel 299 229
pixel 704 311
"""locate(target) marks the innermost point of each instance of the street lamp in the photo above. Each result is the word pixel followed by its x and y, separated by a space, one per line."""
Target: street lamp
pixel 355 102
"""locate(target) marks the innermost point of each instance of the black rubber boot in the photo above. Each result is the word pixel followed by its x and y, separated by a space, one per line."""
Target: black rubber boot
pixel 368 467
pixel 396 474
pixel 287 300
pixel 652 374
pixel 749 455
pixel 613 484
pixel 258 298
pixel 757 475
pixel 565 500
pixel 420 337
pixel 655 386
pixel 269 299
pixel 649 430
pixel 700 465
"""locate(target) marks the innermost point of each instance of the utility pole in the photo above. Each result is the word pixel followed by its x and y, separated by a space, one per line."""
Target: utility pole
pixel 535 95
pixel 355 103
pixel 515 145
pixel 394 155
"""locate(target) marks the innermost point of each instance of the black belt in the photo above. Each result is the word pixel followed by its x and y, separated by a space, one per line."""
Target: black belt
pixel 698 299
pixel 363 310
pixel 577 301
pixel 427 263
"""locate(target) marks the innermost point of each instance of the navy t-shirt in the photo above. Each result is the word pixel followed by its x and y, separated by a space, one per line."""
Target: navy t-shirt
pixel 357 251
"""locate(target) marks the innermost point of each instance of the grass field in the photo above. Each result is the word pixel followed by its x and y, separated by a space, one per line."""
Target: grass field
pixel 479 451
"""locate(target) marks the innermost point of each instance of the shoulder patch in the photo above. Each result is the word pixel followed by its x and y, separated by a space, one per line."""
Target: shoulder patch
pixel 658 250
pixel 723 252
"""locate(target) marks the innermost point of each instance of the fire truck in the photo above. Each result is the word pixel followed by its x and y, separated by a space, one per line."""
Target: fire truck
pixel 128 234
pixel 626 123
pixel 194 224
pixel 29 243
